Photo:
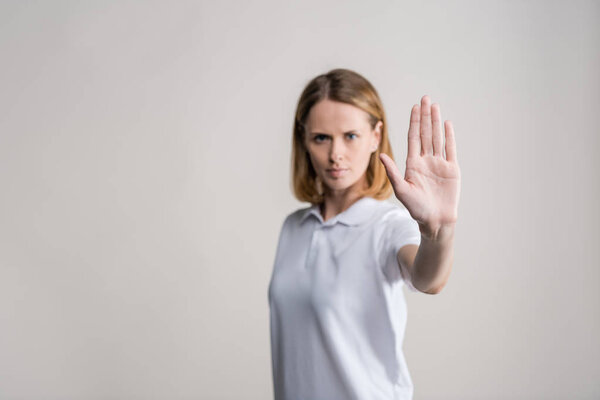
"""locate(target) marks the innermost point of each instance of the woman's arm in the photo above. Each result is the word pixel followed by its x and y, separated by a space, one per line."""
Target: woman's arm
pixel 429 264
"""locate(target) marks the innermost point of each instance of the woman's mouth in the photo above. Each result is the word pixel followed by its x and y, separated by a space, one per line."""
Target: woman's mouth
pixel 336 173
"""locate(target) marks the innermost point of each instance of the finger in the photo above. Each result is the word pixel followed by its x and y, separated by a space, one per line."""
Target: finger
pixel 392 172
pixel 426 146
pixel 450 142
pixel 438 135
pixel 414 140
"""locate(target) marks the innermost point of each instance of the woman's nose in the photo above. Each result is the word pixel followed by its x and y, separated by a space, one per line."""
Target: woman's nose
pixel 336 152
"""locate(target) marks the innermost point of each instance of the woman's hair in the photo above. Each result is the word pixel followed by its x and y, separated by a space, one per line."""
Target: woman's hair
pixel 348 87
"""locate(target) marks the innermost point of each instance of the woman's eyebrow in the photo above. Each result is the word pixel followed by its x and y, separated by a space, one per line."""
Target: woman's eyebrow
pixel 327 134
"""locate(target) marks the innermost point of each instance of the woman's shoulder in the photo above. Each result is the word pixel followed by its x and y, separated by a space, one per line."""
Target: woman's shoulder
pixel 298 215
pixel 393 215
pixel 390 209
pixel 301 212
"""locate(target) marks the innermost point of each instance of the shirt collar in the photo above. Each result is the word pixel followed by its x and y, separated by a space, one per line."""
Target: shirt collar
pixel 358 213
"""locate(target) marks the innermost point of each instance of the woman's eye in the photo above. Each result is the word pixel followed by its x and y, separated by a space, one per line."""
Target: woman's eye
pixel 354 135
pixel 319 137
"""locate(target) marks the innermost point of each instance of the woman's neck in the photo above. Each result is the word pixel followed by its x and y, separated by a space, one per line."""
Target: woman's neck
pixel 337 202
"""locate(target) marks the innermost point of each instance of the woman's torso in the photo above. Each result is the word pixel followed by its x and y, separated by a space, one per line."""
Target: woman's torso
pixel 337 311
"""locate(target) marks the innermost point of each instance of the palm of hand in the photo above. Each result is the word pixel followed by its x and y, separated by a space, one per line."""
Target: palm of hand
pixel 430 188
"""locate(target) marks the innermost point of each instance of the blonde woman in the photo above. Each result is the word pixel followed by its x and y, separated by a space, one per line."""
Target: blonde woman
pixel 337 310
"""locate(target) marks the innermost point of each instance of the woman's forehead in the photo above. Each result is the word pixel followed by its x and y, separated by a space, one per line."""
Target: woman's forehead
pixel 329 115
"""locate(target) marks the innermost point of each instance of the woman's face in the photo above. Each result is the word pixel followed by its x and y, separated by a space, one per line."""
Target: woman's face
pixel 340 142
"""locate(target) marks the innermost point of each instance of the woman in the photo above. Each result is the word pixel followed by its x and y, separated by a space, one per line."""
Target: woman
pixel 337 310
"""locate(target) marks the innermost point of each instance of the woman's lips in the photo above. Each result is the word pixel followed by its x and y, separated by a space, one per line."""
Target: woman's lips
pixel 336 173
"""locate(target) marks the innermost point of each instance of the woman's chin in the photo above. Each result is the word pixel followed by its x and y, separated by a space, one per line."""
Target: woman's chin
pixel 338 184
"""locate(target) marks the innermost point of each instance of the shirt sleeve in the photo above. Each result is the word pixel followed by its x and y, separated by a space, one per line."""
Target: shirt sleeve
pixel 399 229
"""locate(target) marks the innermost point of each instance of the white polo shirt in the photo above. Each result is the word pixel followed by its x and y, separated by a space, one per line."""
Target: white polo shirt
pixel 337 309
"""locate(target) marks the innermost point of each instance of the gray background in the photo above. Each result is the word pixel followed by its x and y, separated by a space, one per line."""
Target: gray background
pixel 144 174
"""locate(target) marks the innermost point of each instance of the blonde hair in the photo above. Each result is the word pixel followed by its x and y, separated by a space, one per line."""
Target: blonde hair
pixel 349 87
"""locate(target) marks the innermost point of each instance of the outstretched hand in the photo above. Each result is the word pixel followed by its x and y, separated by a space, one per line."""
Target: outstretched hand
pixel 430 188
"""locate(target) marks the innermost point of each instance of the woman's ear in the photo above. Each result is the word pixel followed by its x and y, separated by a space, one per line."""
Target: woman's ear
pixel 377 131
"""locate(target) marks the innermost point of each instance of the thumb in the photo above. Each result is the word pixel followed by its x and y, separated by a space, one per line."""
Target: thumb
pixel 400 186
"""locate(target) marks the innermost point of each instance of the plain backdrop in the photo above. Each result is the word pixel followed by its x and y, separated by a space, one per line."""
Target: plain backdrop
pixel 145 174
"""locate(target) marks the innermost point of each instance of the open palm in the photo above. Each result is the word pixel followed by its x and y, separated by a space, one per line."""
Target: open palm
pixel 430 188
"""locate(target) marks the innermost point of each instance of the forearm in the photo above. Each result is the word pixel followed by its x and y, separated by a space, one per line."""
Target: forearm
pixel 433 261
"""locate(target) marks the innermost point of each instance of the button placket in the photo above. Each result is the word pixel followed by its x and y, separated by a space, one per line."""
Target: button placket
pixel 312 250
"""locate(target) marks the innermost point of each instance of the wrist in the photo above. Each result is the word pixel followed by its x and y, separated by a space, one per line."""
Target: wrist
pixel 437 232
